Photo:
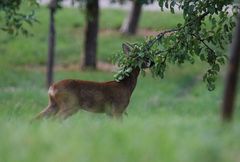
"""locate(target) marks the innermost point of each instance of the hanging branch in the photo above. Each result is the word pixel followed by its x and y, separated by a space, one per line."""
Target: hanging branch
pixel 190 40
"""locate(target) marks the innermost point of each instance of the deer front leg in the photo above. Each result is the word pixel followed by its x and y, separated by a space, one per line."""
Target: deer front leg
pixel 67 103
pixel 115 112
pixel 50 110
pixel 118 116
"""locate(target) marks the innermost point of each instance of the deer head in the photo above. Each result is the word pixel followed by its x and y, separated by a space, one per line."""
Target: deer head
pixel 146 62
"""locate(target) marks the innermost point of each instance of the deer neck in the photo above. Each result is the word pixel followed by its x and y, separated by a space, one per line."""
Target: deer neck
pixel 131 80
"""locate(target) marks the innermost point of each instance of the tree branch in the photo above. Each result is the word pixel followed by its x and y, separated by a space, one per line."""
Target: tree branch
pixel 162 34
pixel 203 42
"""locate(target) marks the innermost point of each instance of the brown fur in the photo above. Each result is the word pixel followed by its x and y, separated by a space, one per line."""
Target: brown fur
pixel 68 96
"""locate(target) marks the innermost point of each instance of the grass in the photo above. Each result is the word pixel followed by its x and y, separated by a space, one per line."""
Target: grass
pixel 161 125
pixel 169 120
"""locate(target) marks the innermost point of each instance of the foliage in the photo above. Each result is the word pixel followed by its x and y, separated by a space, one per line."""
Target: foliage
pixel 206 29
pixel 13 19
pixel 146 2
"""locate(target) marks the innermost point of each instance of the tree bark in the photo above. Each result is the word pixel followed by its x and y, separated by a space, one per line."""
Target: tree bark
pixel 130 24
pixel 51 42
pixel 232 76
pixel 91 34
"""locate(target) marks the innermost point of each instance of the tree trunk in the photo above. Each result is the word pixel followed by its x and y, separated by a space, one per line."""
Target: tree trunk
pixel 51 42
pixel 232 76
pixel 91 33
pixel 129 26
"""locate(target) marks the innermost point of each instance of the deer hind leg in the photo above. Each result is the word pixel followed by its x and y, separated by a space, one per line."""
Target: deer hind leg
pixel 49 111
pixel 67 109
pixel 66 112
pixel 67 106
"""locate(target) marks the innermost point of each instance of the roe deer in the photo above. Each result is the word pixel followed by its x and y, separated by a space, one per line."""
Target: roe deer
pixel 68 96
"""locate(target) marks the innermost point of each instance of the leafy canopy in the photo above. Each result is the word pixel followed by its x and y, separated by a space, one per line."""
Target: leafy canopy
pixel 12 19
pixel 204 34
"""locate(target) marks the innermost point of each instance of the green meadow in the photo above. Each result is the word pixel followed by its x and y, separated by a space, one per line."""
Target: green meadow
pixel 175 119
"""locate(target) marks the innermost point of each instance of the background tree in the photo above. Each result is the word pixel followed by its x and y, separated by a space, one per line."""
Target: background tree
pixel 232 76
pixel 130 24
pixel 51 41
pixel 15 23
pixel 91 34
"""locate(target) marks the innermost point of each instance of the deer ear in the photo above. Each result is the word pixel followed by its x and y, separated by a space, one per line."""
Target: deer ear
pixel 126 48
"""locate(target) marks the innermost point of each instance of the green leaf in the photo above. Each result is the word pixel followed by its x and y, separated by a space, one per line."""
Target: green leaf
pixel 216 67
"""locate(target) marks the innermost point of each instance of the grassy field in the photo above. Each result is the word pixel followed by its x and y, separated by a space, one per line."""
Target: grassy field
pixel 170 120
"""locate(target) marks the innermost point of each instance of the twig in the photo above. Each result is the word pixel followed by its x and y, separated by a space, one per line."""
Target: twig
pixel 203 42
pixel 159 36
pixel 162 34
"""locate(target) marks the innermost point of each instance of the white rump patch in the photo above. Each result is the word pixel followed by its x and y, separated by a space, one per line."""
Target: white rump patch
pixel 51 91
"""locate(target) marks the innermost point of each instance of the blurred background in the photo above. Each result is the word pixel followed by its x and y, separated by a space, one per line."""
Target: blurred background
pixel 170 119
